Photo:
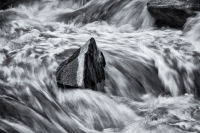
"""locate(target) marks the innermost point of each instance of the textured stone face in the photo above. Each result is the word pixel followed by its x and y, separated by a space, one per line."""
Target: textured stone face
pixel 84 69
pixel 173 13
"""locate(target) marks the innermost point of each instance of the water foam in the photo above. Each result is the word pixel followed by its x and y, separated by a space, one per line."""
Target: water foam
pixel 143 66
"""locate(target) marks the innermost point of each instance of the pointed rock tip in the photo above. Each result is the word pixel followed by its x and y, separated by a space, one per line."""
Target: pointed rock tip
pixel 92 40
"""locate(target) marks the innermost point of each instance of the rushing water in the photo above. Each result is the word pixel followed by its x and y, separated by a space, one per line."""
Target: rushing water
pixel 152 75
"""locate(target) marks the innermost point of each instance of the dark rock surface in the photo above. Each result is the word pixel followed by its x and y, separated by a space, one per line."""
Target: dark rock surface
pixel 173 13
pixel 84 69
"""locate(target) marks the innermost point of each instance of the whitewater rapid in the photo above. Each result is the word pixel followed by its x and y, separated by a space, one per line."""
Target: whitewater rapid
pixel 152 75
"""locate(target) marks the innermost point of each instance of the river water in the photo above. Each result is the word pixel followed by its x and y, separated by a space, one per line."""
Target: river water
pixel 152 74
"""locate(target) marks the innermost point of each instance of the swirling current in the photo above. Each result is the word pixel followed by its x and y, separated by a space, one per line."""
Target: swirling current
pixel 152 74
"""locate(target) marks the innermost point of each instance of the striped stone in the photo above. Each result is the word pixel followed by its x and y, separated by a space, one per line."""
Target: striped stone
pixel 84 69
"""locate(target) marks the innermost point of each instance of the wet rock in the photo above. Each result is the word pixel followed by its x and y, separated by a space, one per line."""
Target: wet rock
pixel 173 13
pixel 111 12
pixel 94 11
pixel 84 69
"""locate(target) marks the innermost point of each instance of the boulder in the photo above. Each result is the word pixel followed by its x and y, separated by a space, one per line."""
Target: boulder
pixel 84 69
pixel 173 13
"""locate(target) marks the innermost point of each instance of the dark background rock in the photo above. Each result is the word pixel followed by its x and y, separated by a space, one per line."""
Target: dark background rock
pixel 84 69
pixel 173 13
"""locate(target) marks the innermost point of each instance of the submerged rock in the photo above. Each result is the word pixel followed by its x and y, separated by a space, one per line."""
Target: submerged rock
pixel 84 69
pixel 6 4
pixel 112 12
pixel 173 13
